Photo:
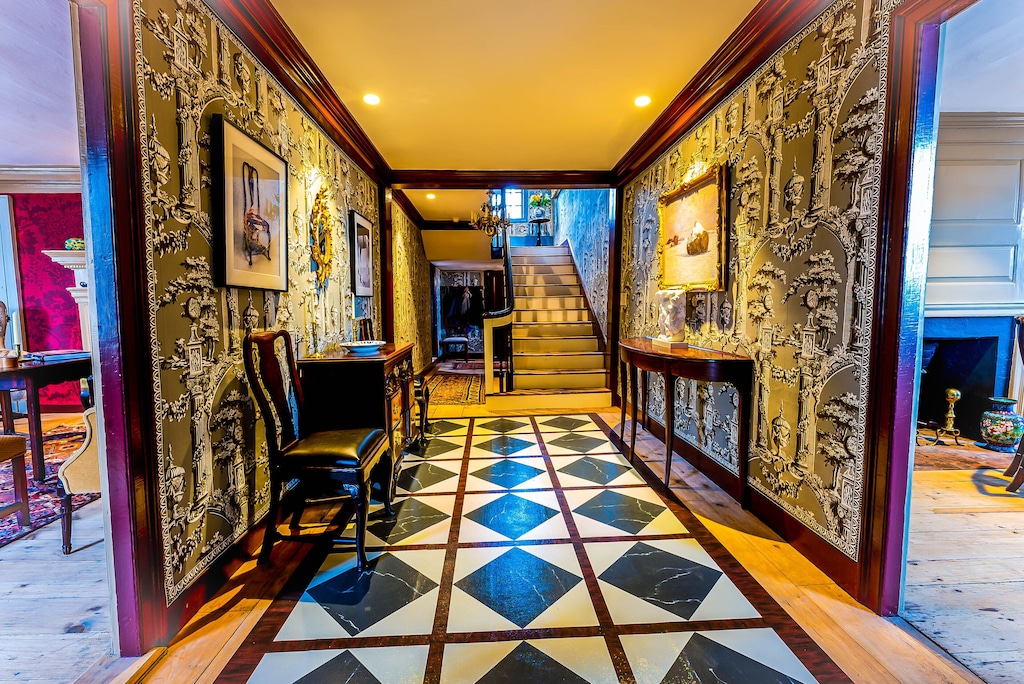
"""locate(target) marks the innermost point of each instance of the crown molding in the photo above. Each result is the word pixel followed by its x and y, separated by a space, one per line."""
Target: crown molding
pixel 485 180
pixel 262 30
pixel 403 202
pixel 764 31
pixel 40 179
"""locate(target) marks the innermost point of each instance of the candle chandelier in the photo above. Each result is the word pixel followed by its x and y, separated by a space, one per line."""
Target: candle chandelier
pixel 492 214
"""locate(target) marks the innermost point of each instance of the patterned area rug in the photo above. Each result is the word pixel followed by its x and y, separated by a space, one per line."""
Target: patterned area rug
pixel 527 549
pixel 44 501
pixel 447 389
pixel 461 367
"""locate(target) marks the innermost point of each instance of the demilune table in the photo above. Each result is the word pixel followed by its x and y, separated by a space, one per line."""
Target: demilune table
pixel 30 376
pixel 696 363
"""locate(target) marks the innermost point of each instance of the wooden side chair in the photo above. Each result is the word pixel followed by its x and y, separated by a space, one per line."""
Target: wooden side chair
pixel 12 448
pixel 332 463
pixel 78 474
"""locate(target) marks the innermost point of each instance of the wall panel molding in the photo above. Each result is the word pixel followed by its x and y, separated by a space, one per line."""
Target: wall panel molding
pixel 40 179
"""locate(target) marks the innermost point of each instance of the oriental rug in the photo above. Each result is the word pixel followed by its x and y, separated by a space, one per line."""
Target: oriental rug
pixel 448 389
pixel 44 501
pixel 528 549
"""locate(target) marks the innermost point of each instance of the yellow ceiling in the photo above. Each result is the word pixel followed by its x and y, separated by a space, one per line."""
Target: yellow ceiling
pixel 530 85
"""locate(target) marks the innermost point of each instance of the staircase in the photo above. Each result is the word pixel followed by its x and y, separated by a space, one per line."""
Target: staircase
pixel 555 348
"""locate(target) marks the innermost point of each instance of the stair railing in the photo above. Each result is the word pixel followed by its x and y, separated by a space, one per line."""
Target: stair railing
pixel 498 328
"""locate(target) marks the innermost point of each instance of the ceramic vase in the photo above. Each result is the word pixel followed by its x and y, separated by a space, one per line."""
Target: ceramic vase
pixel 1001 428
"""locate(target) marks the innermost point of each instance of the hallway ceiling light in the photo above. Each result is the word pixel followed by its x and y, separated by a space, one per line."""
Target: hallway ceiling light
pixel 431 195
pixel 642 101
pixel 492 219
pixel 371 99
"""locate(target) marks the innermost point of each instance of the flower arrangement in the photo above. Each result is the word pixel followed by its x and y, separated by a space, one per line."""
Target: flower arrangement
pixel 540 200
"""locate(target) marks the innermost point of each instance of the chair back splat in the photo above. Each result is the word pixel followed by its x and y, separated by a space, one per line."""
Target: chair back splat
pixel 270 365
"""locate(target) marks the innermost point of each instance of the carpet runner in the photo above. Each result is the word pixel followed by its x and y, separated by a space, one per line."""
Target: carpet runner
pixel 44 501
pixel 527 549
pixel 451 389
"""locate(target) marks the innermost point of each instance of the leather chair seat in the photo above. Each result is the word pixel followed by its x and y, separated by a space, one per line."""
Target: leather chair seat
pixel 334 448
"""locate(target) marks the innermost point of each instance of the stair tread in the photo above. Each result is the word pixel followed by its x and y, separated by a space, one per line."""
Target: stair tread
pixel 560 353
pixel 572 390
pixel 558 371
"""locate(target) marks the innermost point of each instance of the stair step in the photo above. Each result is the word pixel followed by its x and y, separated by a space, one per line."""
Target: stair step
pixel 558 360
pixel 564 378
pixel 551 315
pixel 557 302
pixel 538 260
pixel 544 345
pixel 532 399
pixel 548 291
pixel 544 269
pixel 540 251
pixel 558 279
pixel 568 329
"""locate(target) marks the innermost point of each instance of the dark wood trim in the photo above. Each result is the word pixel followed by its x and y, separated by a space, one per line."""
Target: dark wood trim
pixel 262 30
pixel 766 29
pixel 407 207
pixel 615 296
pixel 387 280
pixel 472 180
pixel 909 140
pixel 116 214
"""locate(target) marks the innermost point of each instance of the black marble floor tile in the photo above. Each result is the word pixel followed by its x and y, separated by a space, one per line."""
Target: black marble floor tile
pixel 529 664
pixel 621 511
pixel 518 585
pixel 507 473
pixel 704 660
pixel 564 423
pixel 594 470
pixel 412 515
pixel 358 600
pixel 417 477
pixel 342 668
pixel 503 425
pixel 662 579
pixel 504 445
pixel 438 446
pixel 441 427
pixel 511 515
pixel 579 443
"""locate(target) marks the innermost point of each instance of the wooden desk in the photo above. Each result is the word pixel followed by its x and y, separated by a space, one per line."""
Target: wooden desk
pixel 343 390
pixel 30 377
pixel 698 364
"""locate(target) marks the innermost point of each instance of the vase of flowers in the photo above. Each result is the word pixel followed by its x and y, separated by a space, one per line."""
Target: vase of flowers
pixel 1001 428
pixel 539 203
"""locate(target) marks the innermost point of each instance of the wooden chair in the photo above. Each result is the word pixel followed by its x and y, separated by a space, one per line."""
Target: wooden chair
pixel 333 463
pixel 78 474
pixel 12 448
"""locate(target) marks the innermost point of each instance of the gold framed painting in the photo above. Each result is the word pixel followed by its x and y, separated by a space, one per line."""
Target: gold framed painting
pixel 691 236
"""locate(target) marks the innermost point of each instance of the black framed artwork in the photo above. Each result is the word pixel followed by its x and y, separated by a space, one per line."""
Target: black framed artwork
pixel 362 255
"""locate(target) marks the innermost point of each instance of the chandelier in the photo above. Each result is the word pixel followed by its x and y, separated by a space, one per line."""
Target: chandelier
pixel 492 214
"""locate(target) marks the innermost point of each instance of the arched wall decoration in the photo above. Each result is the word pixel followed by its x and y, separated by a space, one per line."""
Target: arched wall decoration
pixel 321 238
pixel 801 138
pixel 212 457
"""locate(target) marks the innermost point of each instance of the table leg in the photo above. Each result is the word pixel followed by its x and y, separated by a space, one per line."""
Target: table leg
pixel 35 430
pixel 632 400
pixel 622 400
pixel 8 411
pixel 1009 472
pixel 670 421
pixel 644 395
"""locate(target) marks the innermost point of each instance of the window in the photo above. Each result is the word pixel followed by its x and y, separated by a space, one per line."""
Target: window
pixel 515 204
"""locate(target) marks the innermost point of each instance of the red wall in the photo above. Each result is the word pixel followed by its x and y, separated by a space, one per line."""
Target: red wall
pixel 50 313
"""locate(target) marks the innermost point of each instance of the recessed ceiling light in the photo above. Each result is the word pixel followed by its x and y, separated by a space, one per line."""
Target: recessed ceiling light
pixel 642 101
pixel 431 195
pixel 371 99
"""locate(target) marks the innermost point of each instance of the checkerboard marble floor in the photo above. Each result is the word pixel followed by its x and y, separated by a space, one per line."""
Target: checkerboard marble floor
pixel 527 549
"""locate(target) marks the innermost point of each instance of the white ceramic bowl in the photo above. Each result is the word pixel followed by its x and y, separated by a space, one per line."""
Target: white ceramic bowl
pixel 363 347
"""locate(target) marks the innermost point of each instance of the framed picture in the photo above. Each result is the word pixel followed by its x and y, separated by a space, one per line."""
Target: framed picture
pixel 692 238
pixel 250 211
pixel 362 255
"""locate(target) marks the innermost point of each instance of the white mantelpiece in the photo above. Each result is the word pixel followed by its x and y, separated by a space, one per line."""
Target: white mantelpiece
pixel 75 261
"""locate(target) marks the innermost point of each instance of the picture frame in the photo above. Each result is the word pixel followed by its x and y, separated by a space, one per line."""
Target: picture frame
pixel 692 237
pixel 361 234
pixel 250 211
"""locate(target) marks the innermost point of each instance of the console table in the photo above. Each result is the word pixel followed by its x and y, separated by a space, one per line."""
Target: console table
pixel 343 390
pixel 694 363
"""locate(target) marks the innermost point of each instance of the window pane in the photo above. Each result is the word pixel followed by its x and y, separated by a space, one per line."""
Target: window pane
pixel 514 205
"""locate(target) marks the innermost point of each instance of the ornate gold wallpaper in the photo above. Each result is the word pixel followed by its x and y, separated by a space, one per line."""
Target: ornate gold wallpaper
pixel 801 139
pixel 411 276
pixel 211 450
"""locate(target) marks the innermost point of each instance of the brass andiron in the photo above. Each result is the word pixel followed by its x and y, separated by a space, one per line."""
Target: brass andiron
pixel 952 396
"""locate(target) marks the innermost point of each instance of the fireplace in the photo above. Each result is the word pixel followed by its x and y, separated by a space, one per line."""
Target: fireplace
pixel 970 354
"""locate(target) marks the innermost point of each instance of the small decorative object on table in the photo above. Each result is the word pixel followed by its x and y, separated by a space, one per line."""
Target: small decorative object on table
pixel 363 347
pixel 1001 428
pixel 671 320
pixel 75 244
pixel 952 396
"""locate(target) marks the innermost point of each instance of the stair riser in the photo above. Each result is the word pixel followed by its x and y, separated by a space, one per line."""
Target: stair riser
pixel 540 345
pixel 555 363
pixel 549 291
pixel 558 269
pixel 528 280
pixel 555 381
pixel 541 261
pixel 538 303
pixel 561 250
pixel 552 330
pixel 552 316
